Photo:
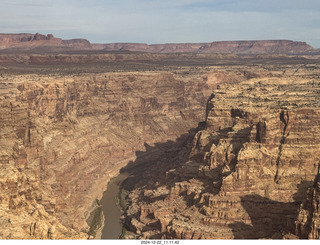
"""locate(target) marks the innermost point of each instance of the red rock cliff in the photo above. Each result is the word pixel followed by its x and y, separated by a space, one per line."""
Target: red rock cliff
pixel 252 173
pixel 32 41
pixel 225 47
pixel 63 137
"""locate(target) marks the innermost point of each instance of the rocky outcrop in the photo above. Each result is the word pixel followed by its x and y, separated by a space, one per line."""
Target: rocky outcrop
pixel 307 225
pixel 23 214
pixel 38 41
pixel 251 173
pixel 50 43
pixel 224 47
pixel 81 44
pixel 64 136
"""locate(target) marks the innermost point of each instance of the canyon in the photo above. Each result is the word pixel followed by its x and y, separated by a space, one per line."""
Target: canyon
pixel 210 141
pixel 251 172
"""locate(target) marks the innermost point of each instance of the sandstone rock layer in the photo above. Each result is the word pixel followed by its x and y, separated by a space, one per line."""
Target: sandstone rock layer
pixel 64 137
pixel 27 41
pixel 252 172
pixel 65 133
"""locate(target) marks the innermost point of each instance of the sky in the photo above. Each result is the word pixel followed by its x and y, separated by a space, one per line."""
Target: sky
pixel 165 21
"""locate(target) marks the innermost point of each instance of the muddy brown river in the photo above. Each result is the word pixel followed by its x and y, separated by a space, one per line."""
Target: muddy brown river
pixel 112 212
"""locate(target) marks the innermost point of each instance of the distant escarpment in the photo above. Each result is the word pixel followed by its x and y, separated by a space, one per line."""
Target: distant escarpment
pixel 26 41
pixel 224 47
pixel 251 172
pixel 50 43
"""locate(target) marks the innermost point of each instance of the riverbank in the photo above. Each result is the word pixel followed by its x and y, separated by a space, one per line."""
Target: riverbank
pixel 111 208
pixel 94 231
pixel 96 221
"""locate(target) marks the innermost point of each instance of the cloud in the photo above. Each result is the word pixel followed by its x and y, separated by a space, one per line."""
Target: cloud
pixel 160 21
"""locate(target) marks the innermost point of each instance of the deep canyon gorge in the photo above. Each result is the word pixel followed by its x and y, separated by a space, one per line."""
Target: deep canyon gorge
pixel 215 145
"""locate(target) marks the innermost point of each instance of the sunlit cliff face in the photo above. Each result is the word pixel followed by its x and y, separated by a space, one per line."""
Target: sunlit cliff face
pixel 253 172
pixel 64 136
pixel 66 132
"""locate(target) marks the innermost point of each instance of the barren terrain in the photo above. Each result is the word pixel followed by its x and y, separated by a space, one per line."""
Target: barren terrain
pixel 204 136
pixel 252 170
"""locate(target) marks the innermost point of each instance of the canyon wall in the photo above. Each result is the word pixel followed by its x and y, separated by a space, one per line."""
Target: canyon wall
pixel 64 136
pixel 252 172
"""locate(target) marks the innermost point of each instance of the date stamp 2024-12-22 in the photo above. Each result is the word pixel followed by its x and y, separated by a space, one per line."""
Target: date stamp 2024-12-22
pixel 160 242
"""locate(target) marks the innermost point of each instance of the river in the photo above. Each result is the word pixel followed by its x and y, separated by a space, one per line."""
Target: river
pixel 112 212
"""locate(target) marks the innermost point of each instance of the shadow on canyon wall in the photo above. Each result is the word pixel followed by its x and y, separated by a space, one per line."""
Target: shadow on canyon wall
pixel 270 219
pixel 226 164
pixel 150 167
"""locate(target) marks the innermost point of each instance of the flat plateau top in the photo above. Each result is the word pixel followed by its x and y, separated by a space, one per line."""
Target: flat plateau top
pixel 270 93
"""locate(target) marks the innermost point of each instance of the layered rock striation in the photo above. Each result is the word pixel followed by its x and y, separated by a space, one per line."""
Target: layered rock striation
pixel 28 41
pixel 49 42
pixel 252 172
pixel 225 47
pixel 64 134
pixel 307 224
pixel 63 137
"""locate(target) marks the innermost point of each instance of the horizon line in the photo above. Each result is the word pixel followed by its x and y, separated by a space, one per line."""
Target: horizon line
pixel 150 44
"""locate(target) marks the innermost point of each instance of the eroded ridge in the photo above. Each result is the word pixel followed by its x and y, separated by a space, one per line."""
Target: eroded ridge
pixel 252 172
pixel 64 136
pixel 65 132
